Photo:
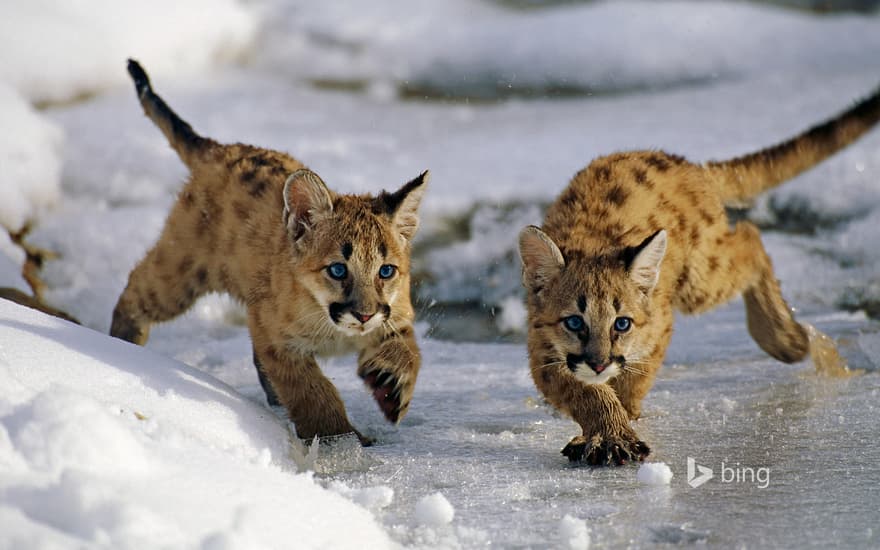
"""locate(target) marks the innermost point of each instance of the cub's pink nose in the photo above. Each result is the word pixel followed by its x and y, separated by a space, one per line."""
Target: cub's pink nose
pixel 600 368
pixel 362 317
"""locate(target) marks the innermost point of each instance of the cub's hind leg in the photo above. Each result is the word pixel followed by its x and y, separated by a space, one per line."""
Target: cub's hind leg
pixel 271 396
pixel 750 271
pixel 164 284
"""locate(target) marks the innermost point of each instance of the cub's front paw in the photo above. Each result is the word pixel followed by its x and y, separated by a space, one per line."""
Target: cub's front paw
pixel 607 450
pixel 388 391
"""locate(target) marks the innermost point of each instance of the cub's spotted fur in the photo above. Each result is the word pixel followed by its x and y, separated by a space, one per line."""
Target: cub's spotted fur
pixel 320 273
pixel 635 236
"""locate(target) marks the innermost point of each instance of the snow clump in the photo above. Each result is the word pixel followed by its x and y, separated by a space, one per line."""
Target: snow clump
pixel 654 473
pixel 434 511
pixel 574 533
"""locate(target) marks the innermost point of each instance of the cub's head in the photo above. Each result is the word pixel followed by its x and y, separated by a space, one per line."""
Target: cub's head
pixel 591 314
pixel 352 252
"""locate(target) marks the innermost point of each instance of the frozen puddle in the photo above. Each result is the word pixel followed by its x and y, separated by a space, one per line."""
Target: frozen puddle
pixel 781 442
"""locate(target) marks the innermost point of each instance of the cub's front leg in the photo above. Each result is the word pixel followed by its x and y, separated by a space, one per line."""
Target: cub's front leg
pixel 296 382
pixel 311 400
pixel 606 437
pixel 389 368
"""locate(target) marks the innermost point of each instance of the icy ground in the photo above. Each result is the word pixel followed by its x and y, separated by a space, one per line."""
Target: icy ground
pixel 342 87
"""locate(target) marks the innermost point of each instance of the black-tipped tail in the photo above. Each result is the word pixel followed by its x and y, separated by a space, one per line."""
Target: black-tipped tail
pixel 183 139
pixel 141 80
pixel 743 178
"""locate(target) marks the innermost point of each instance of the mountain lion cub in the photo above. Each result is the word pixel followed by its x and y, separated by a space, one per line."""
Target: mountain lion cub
pixel 635 236
pixel 320 273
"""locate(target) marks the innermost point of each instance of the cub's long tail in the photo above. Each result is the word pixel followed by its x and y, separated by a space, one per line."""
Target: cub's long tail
pixel 189 145
pixel 743 178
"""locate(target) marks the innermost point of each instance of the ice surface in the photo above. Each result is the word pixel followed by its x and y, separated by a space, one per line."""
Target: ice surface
pixel 206 464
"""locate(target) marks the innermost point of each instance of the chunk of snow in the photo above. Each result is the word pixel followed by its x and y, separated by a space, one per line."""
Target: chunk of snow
pixel 574 533
pixel 11 261
pixel 371 498
pixel 434 511
pixel 513 315
pixel 654 473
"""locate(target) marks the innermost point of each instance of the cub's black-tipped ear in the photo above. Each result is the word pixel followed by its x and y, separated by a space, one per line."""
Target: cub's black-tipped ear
pixel 541 258
pixel 643 261
pixel 403 205
pixel 306 200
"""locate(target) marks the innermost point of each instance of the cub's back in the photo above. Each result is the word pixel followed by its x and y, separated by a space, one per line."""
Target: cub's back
pixel 622 199
pixel 231 208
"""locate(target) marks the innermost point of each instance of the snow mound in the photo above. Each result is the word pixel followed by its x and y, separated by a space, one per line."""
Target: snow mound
pixel 654 473
pixel 434 511
pixel 485 49
pixel 82 46
pixel 105 444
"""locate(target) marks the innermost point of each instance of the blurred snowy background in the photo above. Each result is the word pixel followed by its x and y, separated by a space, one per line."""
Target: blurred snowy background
pixel 503 101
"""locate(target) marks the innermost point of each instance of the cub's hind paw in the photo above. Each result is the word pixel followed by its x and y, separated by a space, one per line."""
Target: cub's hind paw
pixel 387 391
pixel 606 451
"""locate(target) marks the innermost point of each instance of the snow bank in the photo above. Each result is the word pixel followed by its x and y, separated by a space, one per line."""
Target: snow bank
pixel 56 51
pixel 106 444
pixel 489 256
pixel 484 49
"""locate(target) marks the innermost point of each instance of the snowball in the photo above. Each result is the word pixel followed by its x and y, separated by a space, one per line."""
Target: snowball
pixel 654 473
pixel 434 511
pixel 513 315
pixel 574 533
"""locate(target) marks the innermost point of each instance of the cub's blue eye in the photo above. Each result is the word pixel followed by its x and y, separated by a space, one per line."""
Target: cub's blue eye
pixel 622 324
pixel 574 323
pixel 338 271
pixel 387 271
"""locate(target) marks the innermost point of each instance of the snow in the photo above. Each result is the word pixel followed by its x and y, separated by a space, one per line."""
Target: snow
pixel 144 451
pixel 56 51
pixel 654 473
pixel 31 161
pixel 513 315
pixel 103 444
pixel 482 49
pixel 434 511
pixel 574 533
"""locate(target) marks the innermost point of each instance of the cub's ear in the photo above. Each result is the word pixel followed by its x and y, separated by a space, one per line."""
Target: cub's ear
pixel 403 205
pixel 643 261
pixel 306 200
pixel 541 258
